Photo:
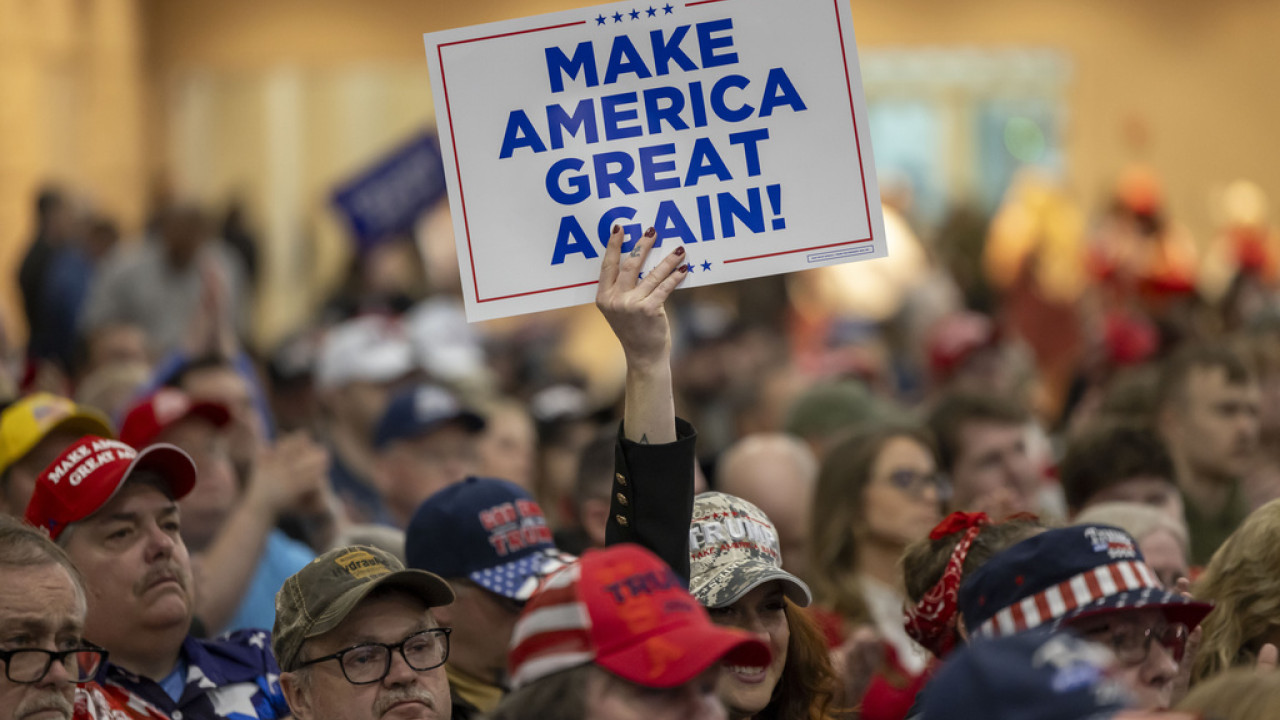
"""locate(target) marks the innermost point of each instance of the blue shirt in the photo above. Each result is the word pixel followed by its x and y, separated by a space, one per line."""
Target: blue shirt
pixel 281 558
pixel 232 678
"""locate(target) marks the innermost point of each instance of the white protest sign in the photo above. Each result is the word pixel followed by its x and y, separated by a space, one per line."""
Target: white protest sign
pixel 735 127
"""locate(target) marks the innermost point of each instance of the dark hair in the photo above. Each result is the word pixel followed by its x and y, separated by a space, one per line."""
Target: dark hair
pixel 838 509
pixel 595 467
pixel 1177 369
pixel 48 200
pixel 925 560
pixel 955 409
pixel 1109 453
pixel 559 696
pixel 808 686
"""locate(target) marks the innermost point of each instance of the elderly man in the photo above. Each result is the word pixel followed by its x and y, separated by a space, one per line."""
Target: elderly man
pixel 357 639
pixel 42 607
pixel 114 510
pixel 776 473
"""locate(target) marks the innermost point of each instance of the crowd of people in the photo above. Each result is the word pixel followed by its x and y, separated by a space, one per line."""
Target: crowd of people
pixel 1013 496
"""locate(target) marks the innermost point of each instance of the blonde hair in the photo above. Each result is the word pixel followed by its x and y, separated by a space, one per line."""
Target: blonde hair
pixel 1243 582
pixel 1237 694
pixel 1134 518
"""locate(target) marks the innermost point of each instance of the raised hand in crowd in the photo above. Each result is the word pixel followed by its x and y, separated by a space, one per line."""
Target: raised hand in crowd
pixel 633 302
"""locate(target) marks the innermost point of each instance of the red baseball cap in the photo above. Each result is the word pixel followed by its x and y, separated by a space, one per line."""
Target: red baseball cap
pixel 625 610
pixel 151 416
pixel 90 472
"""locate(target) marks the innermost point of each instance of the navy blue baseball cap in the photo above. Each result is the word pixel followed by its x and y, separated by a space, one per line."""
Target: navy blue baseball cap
pixel 420 410
pixel 1036 675
pixel 1065 574
pixel 489 531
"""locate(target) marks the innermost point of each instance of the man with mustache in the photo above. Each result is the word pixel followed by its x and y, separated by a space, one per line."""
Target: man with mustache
pixel 357 639
pixel 113 509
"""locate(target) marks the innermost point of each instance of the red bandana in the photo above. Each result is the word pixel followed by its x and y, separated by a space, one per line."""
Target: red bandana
pixel 932 621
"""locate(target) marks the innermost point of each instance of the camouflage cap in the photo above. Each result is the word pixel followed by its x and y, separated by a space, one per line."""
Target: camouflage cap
pixel 319 597
pixel 733 549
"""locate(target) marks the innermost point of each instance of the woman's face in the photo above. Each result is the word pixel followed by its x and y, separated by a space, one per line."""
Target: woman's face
pixel 901 503
pixel 746 691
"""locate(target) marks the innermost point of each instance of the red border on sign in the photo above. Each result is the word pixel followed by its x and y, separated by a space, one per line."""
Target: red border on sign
pixel 466 224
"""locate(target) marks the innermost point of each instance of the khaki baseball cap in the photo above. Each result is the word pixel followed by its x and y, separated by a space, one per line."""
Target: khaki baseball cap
pixel 319 597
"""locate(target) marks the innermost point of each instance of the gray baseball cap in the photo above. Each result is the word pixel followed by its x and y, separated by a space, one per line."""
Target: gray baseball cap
pixel 733 549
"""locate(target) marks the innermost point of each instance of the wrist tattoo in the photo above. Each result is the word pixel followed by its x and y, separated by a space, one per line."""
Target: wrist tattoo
pixel 644 439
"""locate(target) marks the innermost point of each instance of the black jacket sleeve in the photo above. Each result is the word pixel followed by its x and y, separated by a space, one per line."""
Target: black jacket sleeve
pixel 652 498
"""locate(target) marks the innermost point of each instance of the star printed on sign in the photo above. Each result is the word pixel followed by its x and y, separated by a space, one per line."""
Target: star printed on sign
pixel 706 265
pixel 617 17
pixel 666 9
pixel 635 14
pixel 652 11
pixel 600 19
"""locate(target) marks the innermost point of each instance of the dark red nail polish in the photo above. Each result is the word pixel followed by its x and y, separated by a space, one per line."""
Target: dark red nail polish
pixel 680 250
pixel 683 268
pixel 616 228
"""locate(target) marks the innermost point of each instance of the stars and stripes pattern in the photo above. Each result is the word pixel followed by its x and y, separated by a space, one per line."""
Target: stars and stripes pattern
pixel 555 635
pixel 1084 589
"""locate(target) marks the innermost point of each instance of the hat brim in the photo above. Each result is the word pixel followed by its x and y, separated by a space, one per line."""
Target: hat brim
pixel 471 422
pixel 169 462
pixel 732 582
pixel 687 649
pixel 1174 607
pixel 519 578
pixel 428 587
pixel 79 423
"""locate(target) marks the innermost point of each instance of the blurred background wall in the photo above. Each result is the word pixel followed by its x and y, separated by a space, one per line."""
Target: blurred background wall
pixel 277 101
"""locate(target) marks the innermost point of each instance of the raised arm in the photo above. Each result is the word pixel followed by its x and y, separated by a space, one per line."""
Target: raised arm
pixel 652 498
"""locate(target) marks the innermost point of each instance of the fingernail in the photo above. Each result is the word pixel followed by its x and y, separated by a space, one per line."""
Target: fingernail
pixel 680 250
pixel 651 231
pixel 683 268
pixel 616 228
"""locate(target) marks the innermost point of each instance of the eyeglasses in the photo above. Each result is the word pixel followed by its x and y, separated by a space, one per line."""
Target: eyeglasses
pixel 1132 644
pixel 915 483
pixel 30 665
pixel 370 662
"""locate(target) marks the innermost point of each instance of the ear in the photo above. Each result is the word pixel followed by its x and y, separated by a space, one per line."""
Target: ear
pixel 594 519
pixel 296 694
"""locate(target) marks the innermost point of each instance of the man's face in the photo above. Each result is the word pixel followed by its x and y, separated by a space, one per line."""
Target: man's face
pixel 482 624
pixel 20 481
pixel 419 467
pixel 1145 667
pixel 993 471
pixel 226 386
pixel 207 506
pixel 39 609
pixel 135 566
pixel 1166 556
pixel 611 698
pixel 1159 493
pixel 404 694
pixel 1216 426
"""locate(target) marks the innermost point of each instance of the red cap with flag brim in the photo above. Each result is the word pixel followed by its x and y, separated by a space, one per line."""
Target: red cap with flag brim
pixel 91 471
pixel 629 613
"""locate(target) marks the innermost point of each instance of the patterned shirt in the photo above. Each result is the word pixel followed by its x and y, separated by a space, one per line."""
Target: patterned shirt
pixel 232 678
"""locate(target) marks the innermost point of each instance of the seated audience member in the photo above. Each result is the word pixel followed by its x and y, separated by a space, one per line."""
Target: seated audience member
pixel 1162 540
pixel 33 431
pixel 615 636
pixel 730 554
pixel 489 539
pixel 878 492
pixel 934 568
pixel 1093 581
pixel 426 441
pixel 48 668
pixel 1243 584
pixel 983 447
pixel 357 638
pixel 232 530
pixel 777 473
pixel 1117 462
pixel 1208 416
pixel 359 365
pixel 508 447
pixel 1236 694
pixel 587 516
pixel 114 510
pixel 1047 676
